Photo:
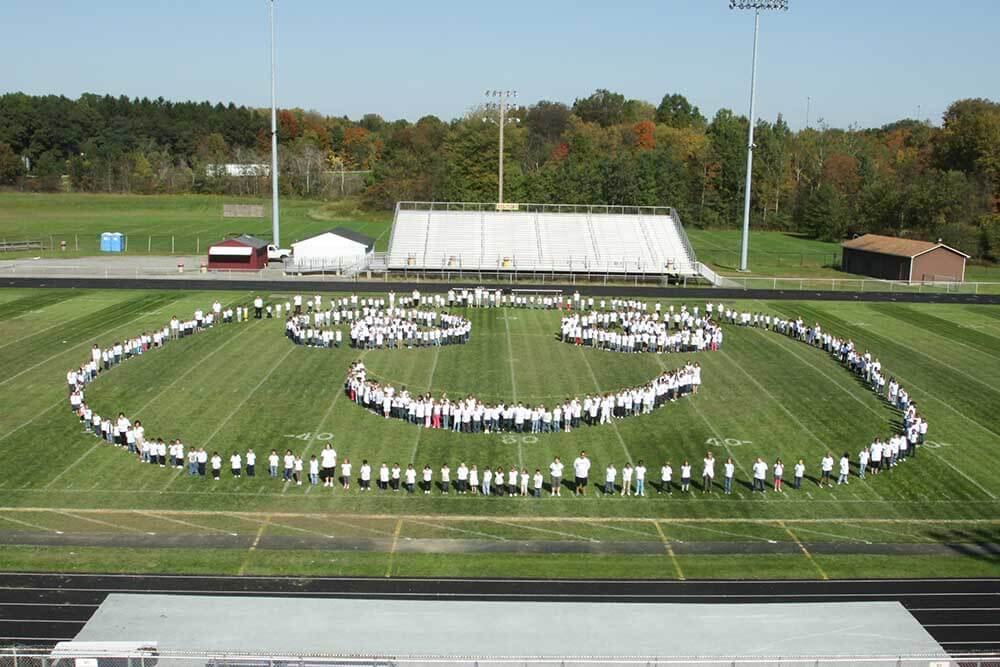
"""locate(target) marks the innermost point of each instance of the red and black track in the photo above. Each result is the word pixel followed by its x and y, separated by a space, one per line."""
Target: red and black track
pixel 963 615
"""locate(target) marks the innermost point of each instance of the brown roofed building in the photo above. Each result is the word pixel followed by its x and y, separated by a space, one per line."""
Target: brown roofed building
pixel 894 258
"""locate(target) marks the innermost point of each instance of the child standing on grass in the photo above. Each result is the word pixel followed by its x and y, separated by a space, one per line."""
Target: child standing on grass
pixel 686 476
pixel 445 478
pixel 779 473
pixel 297 475
pixel 826 470
pixel 800 471
pixel 289 461
pixel 411 478
pixel 235 464
pixel 524 481
pixel 539 479
pixel 627 480
pixel 845 469
pixel 610 473
pixel 640 479
pixel 427 476
pixel 216 465
pixel 272 463
pixel 313 470
pixel 729 469
pixel 666 477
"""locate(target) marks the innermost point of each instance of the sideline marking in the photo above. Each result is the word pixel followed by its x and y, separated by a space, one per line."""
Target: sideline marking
pixel 253 547
pixel 670 551
pixel 392 549
pixel 805 552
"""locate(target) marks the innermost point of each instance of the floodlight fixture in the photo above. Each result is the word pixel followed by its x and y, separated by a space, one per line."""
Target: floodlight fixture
pixel 757 7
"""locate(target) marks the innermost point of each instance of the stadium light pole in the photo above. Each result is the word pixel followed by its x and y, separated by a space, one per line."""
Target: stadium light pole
pixel 757 7
pixel 275 220
pixel 502 96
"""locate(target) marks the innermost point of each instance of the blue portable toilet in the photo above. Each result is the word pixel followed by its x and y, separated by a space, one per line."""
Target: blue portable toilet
pixel 106 242
pixel 117 242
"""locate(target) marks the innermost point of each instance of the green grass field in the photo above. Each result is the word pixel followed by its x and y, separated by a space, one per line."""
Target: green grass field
pixel 245 385
pixel 186 224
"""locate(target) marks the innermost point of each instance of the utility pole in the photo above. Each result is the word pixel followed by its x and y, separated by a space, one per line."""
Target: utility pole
pixel 502 96
pixel 757 7
pixel 275 220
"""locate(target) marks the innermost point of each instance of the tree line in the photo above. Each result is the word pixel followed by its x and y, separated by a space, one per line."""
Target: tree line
pixel 908 178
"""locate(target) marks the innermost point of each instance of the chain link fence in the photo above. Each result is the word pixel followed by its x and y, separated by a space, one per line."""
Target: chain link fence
pixel 65 656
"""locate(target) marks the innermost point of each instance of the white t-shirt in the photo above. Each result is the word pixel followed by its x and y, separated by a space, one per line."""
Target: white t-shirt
pixel 581 466
pixel 556 468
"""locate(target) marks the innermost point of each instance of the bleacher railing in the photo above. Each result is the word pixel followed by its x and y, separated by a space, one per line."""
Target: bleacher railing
pixel 491 207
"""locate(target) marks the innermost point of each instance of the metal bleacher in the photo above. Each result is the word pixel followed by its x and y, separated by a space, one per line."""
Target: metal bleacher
pixel 539 237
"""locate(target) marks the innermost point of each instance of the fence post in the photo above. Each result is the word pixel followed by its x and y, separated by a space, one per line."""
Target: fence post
pixel 171 245
pixel 77 242
pixel 198 246
pixel 149 244
pixel 126 244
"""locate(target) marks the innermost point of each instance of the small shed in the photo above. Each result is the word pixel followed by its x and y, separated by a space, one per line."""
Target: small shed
pixel 340 247
pixel 893 258
pixel 240 253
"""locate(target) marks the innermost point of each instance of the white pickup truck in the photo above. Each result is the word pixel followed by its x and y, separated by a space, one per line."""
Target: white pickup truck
pixel 276 254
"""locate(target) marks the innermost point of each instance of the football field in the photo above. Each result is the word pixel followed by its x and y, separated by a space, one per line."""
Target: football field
pixel 69 500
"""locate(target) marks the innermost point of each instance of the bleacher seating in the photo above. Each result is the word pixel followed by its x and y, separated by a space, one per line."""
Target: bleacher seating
pixel 477 237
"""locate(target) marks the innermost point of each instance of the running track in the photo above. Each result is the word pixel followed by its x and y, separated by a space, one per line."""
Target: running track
pixel 963 615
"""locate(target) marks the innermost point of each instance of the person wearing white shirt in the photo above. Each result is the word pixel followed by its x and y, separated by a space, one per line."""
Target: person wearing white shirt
pixel 581 469
pixel 666 478
pixel 729 471
pixel 640 479
pixel 395 477
pixel 863 457
pixel 328 464
pixel 258 307
pixel 427 475
pixel 345 474
pixel 487 482
pixel 288 462
pixel 202 461
pixel 610 474
pixel 411 478
pixel 538 481
pixel 272 463
pixel 474 479
pixel 461 478
pixel 445 478
pixel 313 470
pixel 555 474
pixel 366 475
pixel 779 473
pixel 845 469
pixel 627 471
pixel 251 461
pixel 236 464
pixel 216 466
pixel 759 475
pixel 800 472
pixel 299 466
pixel 826 470
pixel 707 473
pixel 686 476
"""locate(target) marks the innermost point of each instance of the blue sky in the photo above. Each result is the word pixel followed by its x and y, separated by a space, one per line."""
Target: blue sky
pixel 861 62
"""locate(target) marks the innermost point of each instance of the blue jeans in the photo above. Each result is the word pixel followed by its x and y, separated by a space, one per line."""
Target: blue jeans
pixel 728 484
pixel 640 487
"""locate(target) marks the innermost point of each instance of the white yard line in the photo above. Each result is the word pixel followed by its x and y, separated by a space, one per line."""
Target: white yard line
pixel 163 517
pixel 74 464
pixel 31 525
pixel 61 401
pixel 101 523
pixel 459 530
pixel 542 530
pixel 246 398
pixel 951 465
pixel 513 381
pixel 597 386
pixel 781 405
pixel 120 325
pixel 193 368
